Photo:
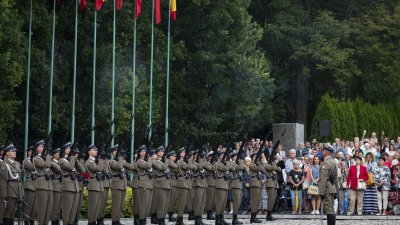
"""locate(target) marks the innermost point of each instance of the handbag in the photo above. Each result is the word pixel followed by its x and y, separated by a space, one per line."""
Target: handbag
pixel 313 190
pixel 370 181
pixel 361 185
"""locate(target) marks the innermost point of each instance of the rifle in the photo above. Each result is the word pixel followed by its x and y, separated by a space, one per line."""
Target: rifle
pixel 49 143
pixel 273 153
pixel 214 155
pixel 149 143
pixel 261 151
pixel 227 152
pixel 167 150
pixel 240 153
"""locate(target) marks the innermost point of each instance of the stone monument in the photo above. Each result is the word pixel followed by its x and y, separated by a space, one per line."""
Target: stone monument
pixel 293 134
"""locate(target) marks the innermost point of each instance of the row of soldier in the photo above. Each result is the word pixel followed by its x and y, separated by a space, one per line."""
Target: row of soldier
pixel 198 181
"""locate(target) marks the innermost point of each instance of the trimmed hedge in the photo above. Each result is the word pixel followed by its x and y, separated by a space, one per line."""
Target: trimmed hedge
pixel 349 118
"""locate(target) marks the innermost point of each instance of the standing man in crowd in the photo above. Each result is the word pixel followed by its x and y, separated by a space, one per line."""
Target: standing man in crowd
pixel 328 187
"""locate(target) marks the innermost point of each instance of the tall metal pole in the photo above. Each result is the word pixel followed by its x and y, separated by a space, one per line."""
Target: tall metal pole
pixel 28 75
pixel 151 74
pixel 113 82
pixel 94 77
pixel 74 79
pixel 167 94
pixel 133 87
pixel 52 68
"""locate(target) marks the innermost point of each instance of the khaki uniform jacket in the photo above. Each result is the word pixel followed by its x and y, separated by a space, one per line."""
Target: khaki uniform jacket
pixel 28 169
pixel 210 174
pixel 3 186
pixel 11 173
pixel 221 169
pixel 80 169
pixel 254 170
pixel 132 167
pixel 43 168
pixel 237 174
pixel 198 170
pixel 328 170
pixel 93 168
pixel 271 170
pixel 144 169
pixel 107 177
pixel 173 167
pixel 56 177
pixel 160 179
pixel 183 172
pixel 68 170
pixel 116 169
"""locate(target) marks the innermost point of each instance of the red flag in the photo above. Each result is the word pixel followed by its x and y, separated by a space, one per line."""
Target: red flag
pixel 99 4
pixel 138 8
pixel 157 11
pixel 82 5
pixel 173 10
pixel 119 5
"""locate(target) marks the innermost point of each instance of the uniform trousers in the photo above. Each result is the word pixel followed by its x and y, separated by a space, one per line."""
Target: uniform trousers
pixel 182 200
pixel 95 201
pixel 237 195
pixel 44 206
pixel 145 197
pixel 55 215
pixel 255 198
pixel 2 209
pixel 161 197
pixel 172 199
pixel 200 200
pixel 78 209
pixel 68 206
pixel 189 204
pixel 328 204
pixel 11 207
pixel 30 198
pixel 118 198
pixel 221 196
pixel 210 198
pixel 271 192
pixel 104 201
pixel 135 201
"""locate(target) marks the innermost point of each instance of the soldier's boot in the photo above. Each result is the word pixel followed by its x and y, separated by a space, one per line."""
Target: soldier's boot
pixel 11 221
pixel 179 221
pixel 217 220
pixel 235 220
pixel 100 221
pixel 32 222
pixel 154 219
pixel 201 220
pixel 171 217
pixel 191 215
pixel 254 219
pixel 135 219
pixel 26 222
pixel 142 222
pixel 270 217
pixel 223 221
pixel 114 223
pixel 75 222
pixel 5 221
pixel 210 215
pixel 161 221
pixel 331 219
pixel 53 222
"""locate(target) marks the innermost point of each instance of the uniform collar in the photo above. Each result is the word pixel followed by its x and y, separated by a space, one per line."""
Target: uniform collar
pixel 91 158
pixel 55 160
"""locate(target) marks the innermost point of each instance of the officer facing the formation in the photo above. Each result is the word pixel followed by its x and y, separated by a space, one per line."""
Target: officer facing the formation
pixel 29 187
pixel 271 186
pixel 56 178
pixel 43 184
pixel 237 166
pixel 119 182
pixel 11 189
pixel 145 184
pixel 95 186
pixel 182 184
pixel 328 187
pixel 69 187
pixel 221 169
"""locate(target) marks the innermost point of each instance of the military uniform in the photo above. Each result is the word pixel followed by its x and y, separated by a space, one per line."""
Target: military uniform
pixel 221 190
pixel 80 169
pixel 134 185
pixel 107 178
pixel 255 171
pixel 2 191
pixel 328 185
pixel 118 188
pixel 199 189
pixel 210 192
pixel 173 193
pixel 182 186
pixel 145 187
pixel 44 189
pixel 29 189
pixel 271 186
pixel 11 189
pixel 56 178
pixel 95 188
pixel 70 189
pixel 236 188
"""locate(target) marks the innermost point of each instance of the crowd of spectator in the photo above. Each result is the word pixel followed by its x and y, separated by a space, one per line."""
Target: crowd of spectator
pixel 368 172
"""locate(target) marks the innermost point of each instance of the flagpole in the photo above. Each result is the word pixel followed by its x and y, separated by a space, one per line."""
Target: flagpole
pixel 74 78
pixel 151 74
pixel 113 82
pixel 167 94
pixel 94 77
pixel 52 68
pixel 133 87
pixel 28 74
